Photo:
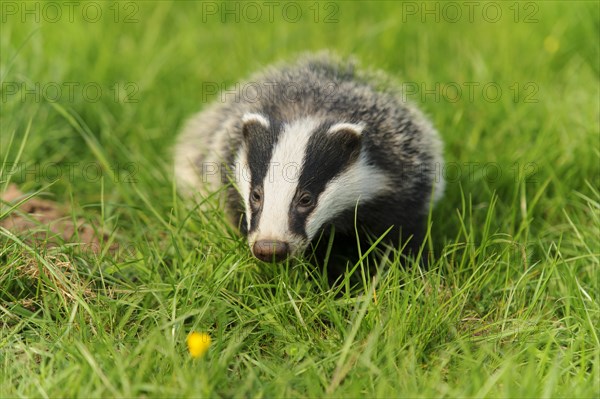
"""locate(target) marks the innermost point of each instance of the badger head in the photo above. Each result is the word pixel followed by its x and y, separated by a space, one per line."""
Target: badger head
pixel 296 177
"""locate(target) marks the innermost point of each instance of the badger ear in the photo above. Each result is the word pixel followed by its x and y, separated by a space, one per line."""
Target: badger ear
pixel 347 128
pixel 349 137
pixel 253 122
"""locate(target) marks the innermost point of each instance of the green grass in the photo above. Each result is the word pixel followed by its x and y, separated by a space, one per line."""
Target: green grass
pixel 509 306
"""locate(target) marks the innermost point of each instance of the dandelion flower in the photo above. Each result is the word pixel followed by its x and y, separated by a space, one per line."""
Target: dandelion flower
pixel 198 343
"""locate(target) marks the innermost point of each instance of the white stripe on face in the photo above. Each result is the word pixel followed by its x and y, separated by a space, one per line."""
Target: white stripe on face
pixel 243 177
pixel 359 183
pixel 281 181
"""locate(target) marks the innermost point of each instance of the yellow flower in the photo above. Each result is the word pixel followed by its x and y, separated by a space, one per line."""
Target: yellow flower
pixel 198 343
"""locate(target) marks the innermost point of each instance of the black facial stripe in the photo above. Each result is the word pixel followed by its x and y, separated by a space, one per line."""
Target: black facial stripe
pixel 255 211
pixel 259 142
pixel 327 155
pixel 254 220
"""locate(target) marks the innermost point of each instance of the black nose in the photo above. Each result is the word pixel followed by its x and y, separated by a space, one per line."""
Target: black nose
pixel 271 250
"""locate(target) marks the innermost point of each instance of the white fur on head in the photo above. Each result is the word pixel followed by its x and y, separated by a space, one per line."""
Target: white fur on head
pixel 281 182
pixel 359 183
pixel 242 175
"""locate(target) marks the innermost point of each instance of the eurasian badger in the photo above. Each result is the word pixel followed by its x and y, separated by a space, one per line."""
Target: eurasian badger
pixel 310 145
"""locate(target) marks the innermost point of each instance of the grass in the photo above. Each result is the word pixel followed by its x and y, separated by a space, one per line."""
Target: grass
pixel 509 306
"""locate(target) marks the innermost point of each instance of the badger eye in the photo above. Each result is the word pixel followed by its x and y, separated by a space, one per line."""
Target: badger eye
pixel 305 200
pixel 255 196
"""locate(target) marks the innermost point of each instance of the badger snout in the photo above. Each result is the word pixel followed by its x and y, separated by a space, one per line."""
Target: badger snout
pixel 271 250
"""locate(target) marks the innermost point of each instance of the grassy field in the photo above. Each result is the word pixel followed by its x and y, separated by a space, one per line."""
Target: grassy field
pixel 93 95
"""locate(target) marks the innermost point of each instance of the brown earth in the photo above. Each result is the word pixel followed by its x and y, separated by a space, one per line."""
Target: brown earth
pixel 45 223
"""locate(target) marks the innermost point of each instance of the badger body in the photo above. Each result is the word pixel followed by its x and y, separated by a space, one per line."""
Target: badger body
pixel 312 144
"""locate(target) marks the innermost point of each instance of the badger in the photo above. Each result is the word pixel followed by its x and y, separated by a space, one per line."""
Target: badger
pixel 312 146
